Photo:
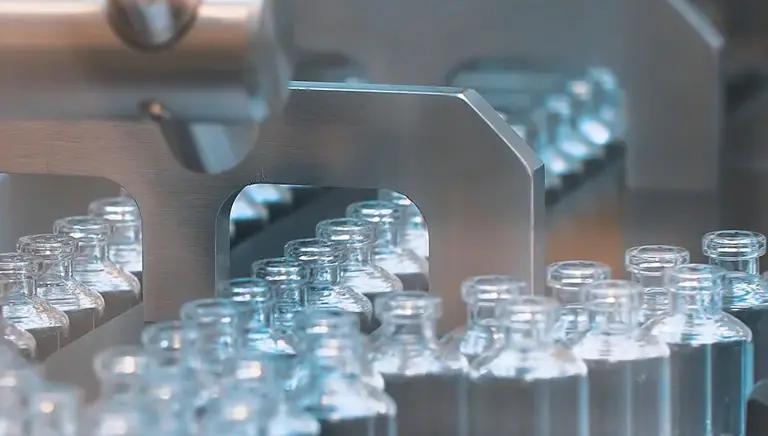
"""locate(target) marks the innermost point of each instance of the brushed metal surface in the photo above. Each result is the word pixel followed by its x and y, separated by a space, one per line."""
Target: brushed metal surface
pixel 479 186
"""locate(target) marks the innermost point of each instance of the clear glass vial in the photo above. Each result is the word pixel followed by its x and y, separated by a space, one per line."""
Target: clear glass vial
pixel 323 259
pixel 711 354
pixel 628 369
pixel 409 267
pixel 607 102
pixel 482 332
pixel 586 119
pixel 547 147
pixel 358 271
pixel 54 410
pixel 565 283
pixel 125 240
pixel 414 234
pixel 335 393
pixel 48 325
pixel 288 279
pixel 55 254
pixel 570 141
pixel 745 292
pixel 254 298
pixel 20 340
pixel 647 265
pixel 92 267
pixel 417 373
pixel 530 385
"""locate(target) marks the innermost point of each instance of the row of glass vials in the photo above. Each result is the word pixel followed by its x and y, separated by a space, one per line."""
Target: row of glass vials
pixel 57 287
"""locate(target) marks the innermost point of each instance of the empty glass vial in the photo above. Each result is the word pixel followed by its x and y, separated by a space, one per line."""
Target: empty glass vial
pixel 586 119
pixel 54 410
pixel 409 267
pixel 47 324
pixel 358 271
pixel 569 140
pixel 334 391
pixel 93 268
pixel 54 254
pixel 20 340
pixel 482 332
pixel 646 265
pixel 606 105
pixel 546 145
pixel 566 281
pixel 711 354
pixel 322 260
pixel 745 293
pixel 255 300
pixel 426 384
pixel 125 242
pixel 288 279
pixel 413 234
pixel 530 385
pixel 628 369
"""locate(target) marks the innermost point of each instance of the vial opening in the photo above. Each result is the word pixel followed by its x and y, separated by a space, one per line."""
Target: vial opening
pixel 18 265
pixel 209 311
pixel 695 278
pixel 528 309
pixel 491 288
pixel 314 250
pixel 375 211
pixel 279 269
pixel 245 289
pixel 572 275
pixel 612 295
pixel 347 231
pixel 653 260
pixel 48 246
pixel 116 210
pixel 83 228
pixel 733 244
pixel 322 321
pixel 166 336
pixel 409 306
pixel 121 361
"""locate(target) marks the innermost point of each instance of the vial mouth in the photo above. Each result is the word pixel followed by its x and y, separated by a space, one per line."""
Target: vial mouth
pixel 245 289
pixel 48 246
pixel 314 251
pixel 167 336
pixel 209 311
pixel 695 278
pixel 409 305
pixel 325 321
pixel 116 209
pixel 394 197
pixel 18 263
pixel 733 244
pixel 83 228
pixel 375 211
pixel 653 260
pixel 491 288
pixel 572 275
pixel 122 361
pixel 613 295
pixel 279 269
pixel 527 310
pixel 347 231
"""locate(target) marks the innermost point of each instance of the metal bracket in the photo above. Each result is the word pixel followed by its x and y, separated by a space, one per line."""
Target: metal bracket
pixel 479 186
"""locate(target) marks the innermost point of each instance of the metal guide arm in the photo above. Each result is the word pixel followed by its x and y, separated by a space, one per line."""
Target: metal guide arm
pixel 479 186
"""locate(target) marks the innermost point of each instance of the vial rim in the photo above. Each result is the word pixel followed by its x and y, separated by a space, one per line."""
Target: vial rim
pixel 653 259
pixel 733 244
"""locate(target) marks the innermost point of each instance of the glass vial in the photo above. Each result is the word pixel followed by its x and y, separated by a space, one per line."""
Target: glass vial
pixel 426 384
pixel 322 260
pixel 483 331
pixel 414 234
pixel 628 369
pixel 565 283
pixel 530 385
pixel 288 279
pixel 47 324
pixel 54 410
pixel 93 268
pixel 711 354
pixel 745 293
pixel 358 270
pixel 646 265
pixel 125 240
pixel 409 267
pixel 334 391
pixel 216 323
pixel 20 340
pixel 570 141
pixel 255 300
pixel 54 254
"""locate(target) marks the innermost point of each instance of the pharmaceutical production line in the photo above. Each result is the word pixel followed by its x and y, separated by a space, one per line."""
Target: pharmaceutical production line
pixel 185 103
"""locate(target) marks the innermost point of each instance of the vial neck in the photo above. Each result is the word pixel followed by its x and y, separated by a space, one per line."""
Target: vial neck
pixel 695 304
pixel 18 285
pixel 335 355
pixel 648 281
pixel 55 270
pixel 749 266
pixel 412 330
pixel 528 336
pixel 257 315
pixel 359 255
pixel 481 314
pixel 91 253
pixel 325 274
pixel 615 322
pixel 126 236
pixel 386 235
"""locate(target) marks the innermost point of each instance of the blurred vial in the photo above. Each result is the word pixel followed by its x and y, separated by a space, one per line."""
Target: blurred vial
pixel 647 265
pixel 237 415
pixel 124 407
pixel 711 354
pixel 409 267
pixel 417 374
pixel 530 385
pixel 54 410
pixel 567 139
pixel 358 270
pixel 587 122
pixel 54 254
pixel 547 147
pixel 287 279
pixel 628 369
pixel 413 234
pixel 483 331
pixel 324 290
pixel 565 282
pixel 254 298
pixel 745 292
pixel 125 240
pixel 22 341
pixel 335 392
pixel 48 325
pixel 93 268
pixel 606 106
